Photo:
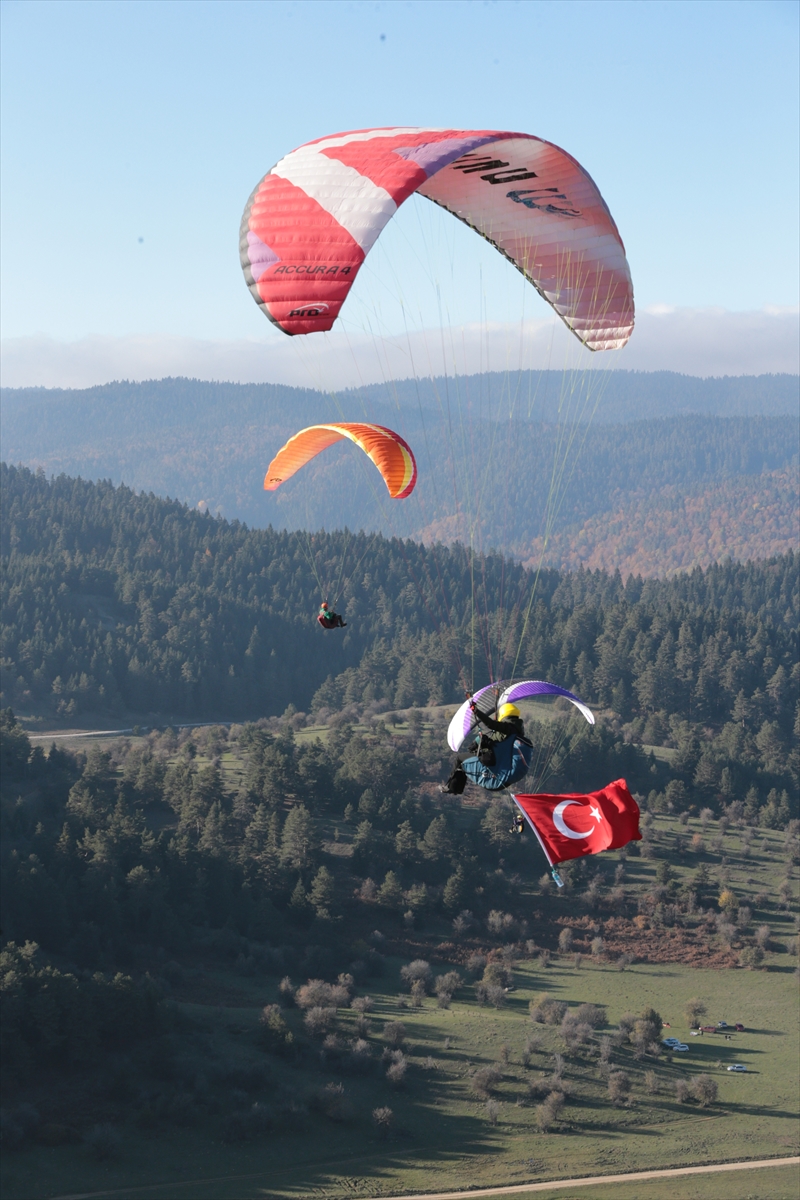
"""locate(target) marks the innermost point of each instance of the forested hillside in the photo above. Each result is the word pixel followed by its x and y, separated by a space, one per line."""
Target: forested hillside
pixel 661 530
pixel 227 933
pixel 500 462
pixel 122 603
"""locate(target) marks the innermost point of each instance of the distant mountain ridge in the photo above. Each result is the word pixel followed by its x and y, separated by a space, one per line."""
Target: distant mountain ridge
pixel 488 447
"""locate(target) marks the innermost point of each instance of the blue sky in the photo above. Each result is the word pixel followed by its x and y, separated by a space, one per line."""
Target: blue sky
pixel 126 121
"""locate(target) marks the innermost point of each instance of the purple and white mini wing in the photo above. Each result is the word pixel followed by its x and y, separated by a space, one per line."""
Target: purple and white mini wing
pixel 537 687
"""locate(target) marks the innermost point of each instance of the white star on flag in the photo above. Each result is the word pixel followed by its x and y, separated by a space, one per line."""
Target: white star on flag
pixel 596 813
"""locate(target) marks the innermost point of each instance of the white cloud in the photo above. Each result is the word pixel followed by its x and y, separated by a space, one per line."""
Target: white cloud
pixel 703 342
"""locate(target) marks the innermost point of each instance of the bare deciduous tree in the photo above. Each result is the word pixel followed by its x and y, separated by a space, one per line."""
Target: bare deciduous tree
pixel 703 1089
pixel 548 1113
pixel 694 1010
pixel 619 1087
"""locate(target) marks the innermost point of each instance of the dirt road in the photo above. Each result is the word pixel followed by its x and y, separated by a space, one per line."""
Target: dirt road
pixel 553 1185
pixel 516 1189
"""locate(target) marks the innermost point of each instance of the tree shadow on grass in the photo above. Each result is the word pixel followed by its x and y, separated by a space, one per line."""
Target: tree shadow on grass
pixel 449 1139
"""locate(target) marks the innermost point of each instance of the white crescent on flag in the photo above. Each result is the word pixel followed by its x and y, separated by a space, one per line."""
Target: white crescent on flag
pixel 562 826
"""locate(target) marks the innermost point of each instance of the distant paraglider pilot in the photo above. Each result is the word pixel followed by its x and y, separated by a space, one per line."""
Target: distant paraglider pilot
pixel 329 619
pixel 498 758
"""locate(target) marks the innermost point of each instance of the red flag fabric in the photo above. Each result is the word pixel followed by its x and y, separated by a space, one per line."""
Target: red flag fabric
pixel 573 825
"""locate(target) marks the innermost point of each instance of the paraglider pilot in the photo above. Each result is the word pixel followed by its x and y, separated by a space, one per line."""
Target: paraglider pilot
pixel 329 619
pixel 499 757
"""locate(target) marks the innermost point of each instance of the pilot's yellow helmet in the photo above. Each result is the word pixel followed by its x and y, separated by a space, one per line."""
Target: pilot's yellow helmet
pixel 507 710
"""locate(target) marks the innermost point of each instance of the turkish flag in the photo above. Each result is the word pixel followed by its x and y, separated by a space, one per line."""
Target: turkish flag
pixel 573 825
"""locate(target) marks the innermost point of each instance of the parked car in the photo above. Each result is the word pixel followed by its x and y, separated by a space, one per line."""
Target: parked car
pixel 671 1041
pixel 708 1029
pixel 681 1047
pixel 737 1067
pixel 722 1024
pixel 739 1027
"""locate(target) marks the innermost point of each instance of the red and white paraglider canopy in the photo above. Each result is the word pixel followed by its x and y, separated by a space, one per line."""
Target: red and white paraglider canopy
pixel 312 220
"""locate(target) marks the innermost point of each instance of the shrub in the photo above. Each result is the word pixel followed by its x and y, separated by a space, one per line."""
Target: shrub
pixel 315 994
pixel 546 1011
pixel 751 957
pixel 362 1004
pixel 495 995
pixel 417 971
pixel 332 1045
pixel 360 1056
pixel 565 941
pixel 286 992
pixel 539 1087
pixel 418 993
pixel 103 1142
pixel 340 996
pixel 694 1011
pixel 619 1087
pixel 681 1091
pixel 463 923
pixel 396 1073
pixel 485 1080
pixel 383 1119
pixel 476 964
pixel 448 983
pixel 502 924
pixel 597 947
pixel 394 1032
pixel 727 932
pixel 763 936
pixel 492 1109
pixel 548 1113
pixel 497 973
pixel 703 1089
pixel 332 1102
pixel 318 1020
pixel 651 1082
pixel 574 1032
pixel 273 1032
pixel 592 1014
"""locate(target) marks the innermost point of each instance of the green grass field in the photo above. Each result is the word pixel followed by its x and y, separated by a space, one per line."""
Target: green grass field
pixel 443 1138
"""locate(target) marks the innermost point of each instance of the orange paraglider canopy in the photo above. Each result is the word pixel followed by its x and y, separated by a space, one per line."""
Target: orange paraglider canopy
pixel 391 455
